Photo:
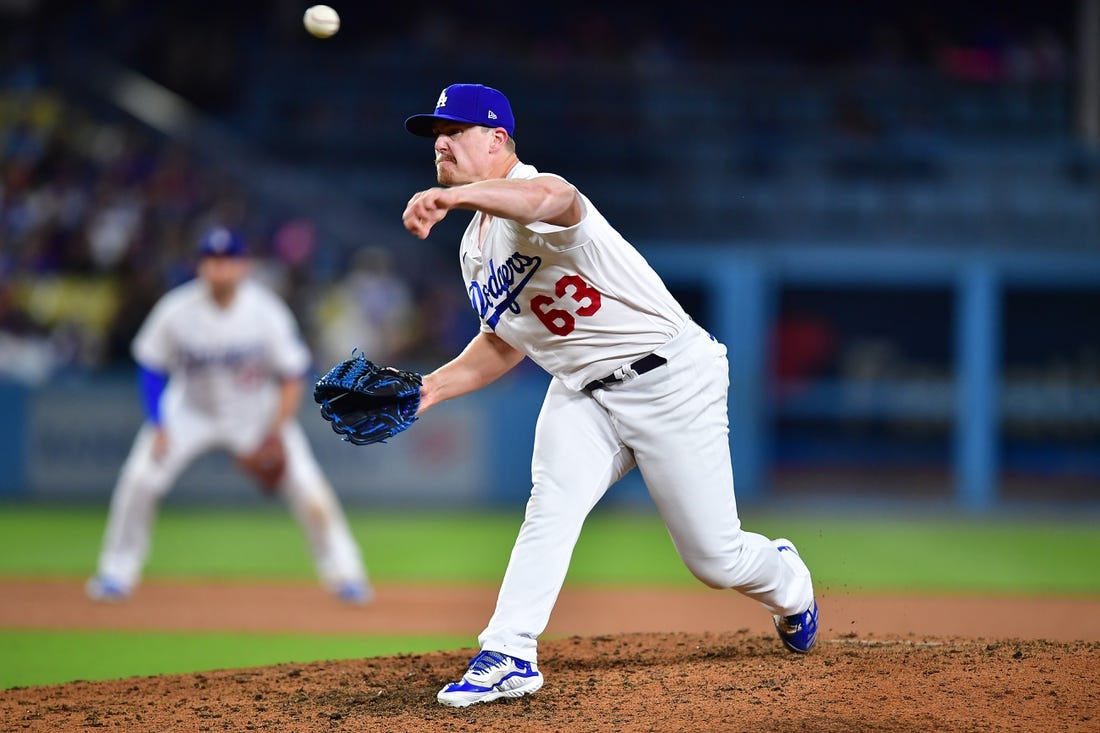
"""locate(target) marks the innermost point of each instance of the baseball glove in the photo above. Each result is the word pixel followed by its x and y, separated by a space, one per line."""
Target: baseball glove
pixel 367 403
pixel 266 464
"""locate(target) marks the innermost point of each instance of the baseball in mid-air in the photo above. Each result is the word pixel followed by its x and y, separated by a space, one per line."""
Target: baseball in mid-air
pixel 321 21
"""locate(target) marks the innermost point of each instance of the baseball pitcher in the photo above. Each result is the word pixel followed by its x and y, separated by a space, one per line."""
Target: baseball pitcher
pixel 635 383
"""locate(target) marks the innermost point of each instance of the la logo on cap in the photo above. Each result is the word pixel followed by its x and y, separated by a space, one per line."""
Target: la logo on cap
pixel 442 99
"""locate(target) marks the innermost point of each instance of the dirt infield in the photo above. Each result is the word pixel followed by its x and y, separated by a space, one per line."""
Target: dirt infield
pixel 625 660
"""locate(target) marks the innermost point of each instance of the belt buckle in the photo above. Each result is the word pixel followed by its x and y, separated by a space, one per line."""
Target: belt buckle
pixel 624 373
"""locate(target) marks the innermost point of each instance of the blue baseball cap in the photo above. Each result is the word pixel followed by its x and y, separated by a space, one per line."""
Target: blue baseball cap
pixel 221 242
pixel 473 103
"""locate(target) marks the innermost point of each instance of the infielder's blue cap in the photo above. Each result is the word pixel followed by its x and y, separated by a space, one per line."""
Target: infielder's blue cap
pixel 473 103
pixel 221 242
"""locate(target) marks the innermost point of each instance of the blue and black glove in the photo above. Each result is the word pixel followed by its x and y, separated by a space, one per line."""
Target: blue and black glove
pixel 367 403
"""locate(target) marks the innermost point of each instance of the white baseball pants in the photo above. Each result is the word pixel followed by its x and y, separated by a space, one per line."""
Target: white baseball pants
pixel 144 481
pixel 672 423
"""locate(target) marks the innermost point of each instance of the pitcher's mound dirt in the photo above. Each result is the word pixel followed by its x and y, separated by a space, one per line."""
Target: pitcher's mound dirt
pixel 881 664
pixel 632 682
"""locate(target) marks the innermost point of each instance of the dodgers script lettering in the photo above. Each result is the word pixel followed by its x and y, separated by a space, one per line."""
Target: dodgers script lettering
pixel 499 292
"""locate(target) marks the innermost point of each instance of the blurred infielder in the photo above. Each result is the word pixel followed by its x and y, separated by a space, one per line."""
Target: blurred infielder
pixel 222 366
pixel 635 383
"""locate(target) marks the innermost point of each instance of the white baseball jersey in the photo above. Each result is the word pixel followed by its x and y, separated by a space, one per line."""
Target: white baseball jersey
pixel 579 301
pixel 223 362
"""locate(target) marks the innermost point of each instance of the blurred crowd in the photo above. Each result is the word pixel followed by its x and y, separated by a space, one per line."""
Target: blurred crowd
pixel 99 217
pixel 99 214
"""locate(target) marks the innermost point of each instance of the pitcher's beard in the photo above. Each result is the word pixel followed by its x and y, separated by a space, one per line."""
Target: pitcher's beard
pixel 444 177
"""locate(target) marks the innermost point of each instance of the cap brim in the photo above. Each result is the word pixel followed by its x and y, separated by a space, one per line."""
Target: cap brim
pixel 422 125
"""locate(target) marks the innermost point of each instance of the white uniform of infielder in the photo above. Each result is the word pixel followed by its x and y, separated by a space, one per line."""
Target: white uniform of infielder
pixel 635 383
pixel 235 371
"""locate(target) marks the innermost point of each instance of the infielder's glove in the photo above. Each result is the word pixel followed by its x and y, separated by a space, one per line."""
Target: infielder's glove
pixel 266 464
pixel 367 403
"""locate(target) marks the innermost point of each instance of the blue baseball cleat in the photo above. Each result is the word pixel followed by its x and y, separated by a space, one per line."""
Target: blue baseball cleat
pixel 490 676
pixel 799 631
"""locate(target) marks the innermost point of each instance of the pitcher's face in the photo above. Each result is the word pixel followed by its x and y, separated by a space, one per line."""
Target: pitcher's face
pixel 462 152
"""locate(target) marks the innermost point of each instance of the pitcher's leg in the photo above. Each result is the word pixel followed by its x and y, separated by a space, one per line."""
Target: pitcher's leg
pixel 576 457
pixel 687 468
pixel 701 514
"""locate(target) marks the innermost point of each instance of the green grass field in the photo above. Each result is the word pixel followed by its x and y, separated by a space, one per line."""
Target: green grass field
pixel 851 555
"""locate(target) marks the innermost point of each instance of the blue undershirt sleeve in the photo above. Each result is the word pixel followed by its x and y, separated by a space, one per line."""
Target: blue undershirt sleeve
pixel 152 385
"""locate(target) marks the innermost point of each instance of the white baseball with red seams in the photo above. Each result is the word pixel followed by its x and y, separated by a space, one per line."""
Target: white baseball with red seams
pixel 321 21
pixel 583 303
